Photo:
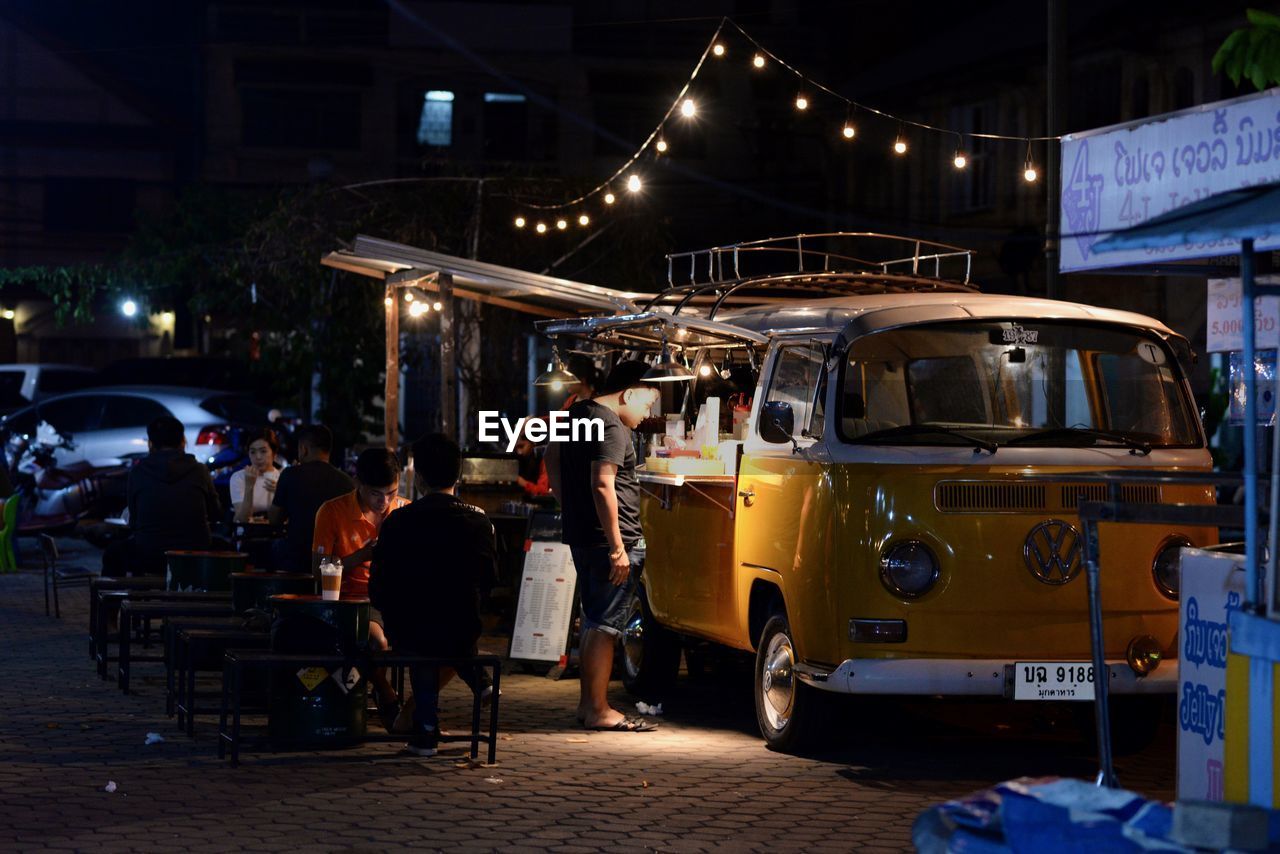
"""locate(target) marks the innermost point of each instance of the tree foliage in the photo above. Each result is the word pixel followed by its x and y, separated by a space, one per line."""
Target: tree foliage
pixel 1252 52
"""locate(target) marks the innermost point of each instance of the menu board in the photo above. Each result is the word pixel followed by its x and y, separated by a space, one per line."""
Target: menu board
pixel 545 609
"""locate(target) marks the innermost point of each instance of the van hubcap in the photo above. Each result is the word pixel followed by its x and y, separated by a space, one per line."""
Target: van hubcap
pixel 633 643
pixel 777 681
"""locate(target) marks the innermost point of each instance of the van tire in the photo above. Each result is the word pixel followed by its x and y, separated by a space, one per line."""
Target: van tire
pixel 650 652
pixel 791 715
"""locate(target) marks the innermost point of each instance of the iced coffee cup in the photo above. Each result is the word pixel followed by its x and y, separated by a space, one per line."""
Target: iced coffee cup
pixel 330 580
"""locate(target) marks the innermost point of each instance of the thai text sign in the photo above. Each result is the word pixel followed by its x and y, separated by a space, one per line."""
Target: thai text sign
pixel 1113 178
pixel 1212 586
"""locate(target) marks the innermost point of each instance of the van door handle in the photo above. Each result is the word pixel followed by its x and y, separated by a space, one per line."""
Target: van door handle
pixel 748 497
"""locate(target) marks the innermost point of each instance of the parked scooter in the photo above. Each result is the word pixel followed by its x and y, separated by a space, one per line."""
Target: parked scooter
pixel 52 497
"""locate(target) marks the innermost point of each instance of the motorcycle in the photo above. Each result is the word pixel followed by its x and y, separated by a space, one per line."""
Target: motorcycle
pixel 53 498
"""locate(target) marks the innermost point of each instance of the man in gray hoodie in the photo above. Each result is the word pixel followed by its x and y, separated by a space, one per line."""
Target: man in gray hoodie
pixel 171 504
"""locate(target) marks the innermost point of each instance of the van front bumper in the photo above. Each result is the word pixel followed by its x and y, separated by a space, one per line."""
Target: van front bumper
pixel 961 677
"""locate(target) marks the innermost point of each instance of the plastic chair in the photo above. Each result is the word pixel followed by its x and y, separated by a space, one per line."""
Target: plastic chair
pixel 71 576
pixel 8 562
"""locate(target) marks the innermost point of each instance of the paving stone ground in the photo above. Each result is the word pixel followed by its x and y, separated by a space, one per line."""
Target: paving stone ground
pixel 703 782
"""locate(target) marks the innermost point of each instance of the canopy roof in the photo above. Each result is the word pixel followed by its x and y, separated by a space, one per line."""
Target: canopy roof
pixel 508 287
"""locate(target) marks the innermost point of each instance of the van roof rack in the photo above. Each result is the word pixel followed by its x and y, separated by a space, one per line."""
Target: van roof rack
pixel 831 264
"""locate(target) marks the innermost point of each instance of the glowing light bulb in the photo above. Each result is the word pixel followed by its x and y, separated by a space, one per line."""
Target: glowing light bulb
pixel 417 309
pixel 704 370
pixel 166 318
pixel 899 146
pixel 661 145
pixel 1030 174
pixel 388 302
pixel 9 314
pixel 437 305
pixel 128 308
pixel 960 160
pixel 408 296
pixel 687 108
pixel 758 61
pixel 519 222
pixel 802 103
pixel 718 49
pixel 633 183
pixel 557 385
pixel 610 198
pixel 562 224
pixel 848 131
pixel 541 228
pixel 584 220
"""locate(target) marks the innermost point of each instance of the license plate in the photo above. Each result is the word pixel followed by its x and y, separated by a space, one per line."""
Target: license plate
pixel 1052 680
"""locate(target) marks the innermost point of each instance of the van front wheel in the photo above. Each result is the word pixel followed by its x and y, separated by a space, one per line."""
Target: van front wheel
pixel 788 711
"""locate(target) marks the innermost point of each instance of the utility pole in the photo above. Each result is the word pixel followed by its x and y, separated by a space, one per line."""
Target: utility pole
pixel 1057 107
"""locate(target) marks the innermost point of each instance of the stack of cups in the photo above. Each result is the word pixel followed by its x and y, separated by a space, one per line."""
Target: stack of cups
pixel 330 578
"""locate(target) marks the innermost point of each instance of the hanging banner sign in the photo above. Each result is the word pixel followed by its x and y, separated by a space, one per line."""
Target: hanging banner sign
pixel 1117 177
pixel 1224 329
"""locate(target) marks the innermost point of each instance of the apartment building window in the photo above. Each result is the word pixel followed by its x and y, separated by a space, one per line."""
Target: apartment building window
pixel 505 118
pixel 973 187
pixel 435 123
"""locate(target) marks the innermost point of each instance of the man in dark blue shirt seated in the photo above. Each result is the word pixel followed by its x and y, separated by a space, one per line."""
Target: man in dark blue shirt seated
pixel 431 562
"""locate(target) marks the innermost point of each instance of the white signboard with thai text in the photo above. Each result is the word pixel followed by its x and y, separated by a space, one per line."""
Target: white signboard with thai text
pixel 1117 177
pixel 1212 587
pixel 546 603
pixel 1224 330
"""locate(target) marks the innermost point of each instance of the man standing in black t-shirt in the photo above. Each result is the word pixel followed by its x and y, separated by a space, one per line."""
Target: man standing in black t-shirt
pixel 300 491
pixel 600 495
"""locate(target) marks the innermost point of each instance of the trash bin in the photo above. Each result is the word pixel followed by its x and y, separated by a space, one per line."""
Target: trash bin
pixel 202 570
pixel 251 590
pixel 317 706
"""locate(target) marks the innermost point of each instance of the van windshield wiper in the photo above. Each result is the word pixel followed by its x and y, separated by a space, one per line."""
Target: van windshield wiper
pixel 1135 446
pixel 888 434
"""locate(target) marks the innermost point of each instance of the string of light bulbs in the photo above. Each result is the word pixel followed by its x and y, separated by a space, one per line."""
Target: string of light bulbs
pixel 686 107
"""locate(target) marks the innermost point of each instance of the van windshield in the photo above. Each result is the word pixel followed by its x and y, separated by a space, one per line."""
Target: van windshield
pixel 1040 383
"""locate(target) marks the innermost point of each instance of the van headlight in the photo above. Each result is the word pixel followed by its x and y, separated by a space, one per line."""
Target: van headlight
pixel 908 569
pixel 1166 568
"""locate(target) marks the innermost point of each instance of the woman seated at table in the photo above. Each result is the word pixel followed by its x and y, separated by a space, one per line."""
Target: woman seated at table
pixel 253 487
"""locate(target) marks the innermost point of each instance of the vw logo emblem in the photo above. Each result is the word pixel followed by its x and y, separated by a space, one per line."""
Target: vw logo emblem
pixel 1052 552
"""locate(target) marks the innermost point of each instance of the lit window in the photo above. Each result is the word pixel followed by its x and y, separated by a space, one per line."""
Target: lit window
pixel 503 98
pixel 435 126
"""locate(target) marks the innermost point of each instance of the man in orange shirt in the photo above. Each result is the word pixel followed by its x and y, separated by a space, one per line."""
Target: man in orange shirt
pixel 347 528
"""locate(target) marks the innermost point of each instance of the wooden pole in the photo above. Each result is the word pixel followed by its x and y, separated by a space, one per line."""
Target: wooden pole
pixel 448 359
pixel 391 390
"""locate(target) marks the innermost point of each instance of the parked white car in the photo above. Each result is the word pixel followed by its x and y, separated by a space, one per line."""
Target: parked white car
pixel 27 382
pixel 108 425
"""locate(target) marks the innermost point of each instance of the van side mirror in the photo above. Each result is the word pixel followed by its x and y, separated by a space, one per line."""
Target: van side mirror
pixel 777 422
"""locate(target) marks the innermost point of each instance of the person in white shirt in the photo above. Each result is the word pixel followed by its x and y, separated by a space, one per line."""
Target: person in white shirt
pixel 254 486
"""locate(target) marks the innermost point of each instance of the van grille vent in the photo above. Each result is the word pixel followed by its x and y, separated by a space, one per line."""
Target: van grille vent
pixel 990 497
pixel 1131 493
pixel 956 496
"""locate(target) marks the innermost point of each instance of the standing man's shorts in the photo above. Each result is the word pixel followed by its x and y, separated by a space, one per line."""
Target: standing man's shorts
pixel 604 604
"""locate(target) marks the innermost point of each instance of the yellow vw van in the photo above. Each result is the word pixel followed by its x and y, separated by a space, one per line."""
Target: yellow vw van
pixel 864 520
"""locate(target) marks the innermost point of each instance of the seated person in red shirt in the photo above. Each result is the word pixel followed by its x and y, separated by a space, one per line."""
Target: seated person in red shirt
pixel 347 528
pixel 430 565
